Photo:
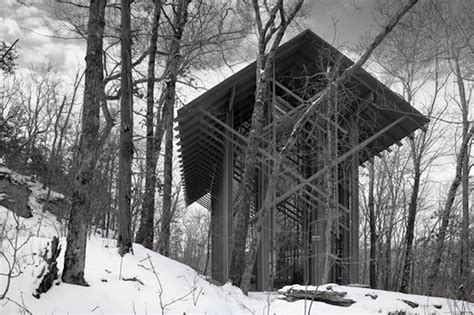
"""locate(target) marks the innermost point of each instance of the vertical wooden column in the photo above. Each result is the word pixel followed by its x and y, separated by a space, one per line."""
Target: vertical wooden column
pixel 318 226
pixel 228 180
pixel 222 206
pixel 319 246
pixel 218 241
pixel 344 250
pixel 354 222
pixel 306 243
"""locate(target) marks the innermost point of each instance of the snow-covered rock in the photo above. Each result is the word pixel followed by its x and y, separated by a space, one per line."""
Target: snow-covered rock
pixel 22 209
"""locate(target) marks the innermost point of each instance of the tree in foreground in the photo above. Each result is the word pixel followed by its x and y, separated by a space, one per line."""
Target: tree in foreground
pixel 124 241
pixel 196 35
pixel 145 234
pixel 171 77
pixel 269 36
pixel 456 33
pixel 307 112
pixel 75 255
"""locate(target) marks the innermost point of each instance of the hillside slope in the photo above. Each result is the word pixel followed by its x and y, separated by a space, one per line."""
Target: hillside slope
pixel 147 283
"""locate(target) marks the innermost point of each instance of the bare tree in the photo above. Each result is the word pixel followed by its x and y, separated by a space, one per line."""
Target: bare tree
pixel 320 98
pixel 10 254
pixel 209 34
pixel 126 133
pixel 269 35
pixel 394 168
pixel 195 228
pixel 8 56
pixel 464 264
pixel 75 255
pixel 459 49
pixel 416 67
pixel 173 63
pixel 406 60
pixel 145 233
pixel 440 240
pixel 455 24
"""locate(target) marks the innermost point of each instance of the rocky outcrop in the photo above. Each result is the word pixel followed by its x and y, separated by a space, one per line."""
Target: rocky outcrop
pixel 14 194
pixel 20 193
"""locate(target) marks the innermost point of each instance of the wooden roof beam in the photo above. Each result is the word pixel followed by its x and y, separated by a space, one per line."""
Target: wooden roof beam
pixel 198 151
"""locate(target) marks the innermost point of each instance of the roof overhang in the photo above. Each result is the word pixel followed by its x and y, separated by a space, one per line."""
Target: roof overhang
pixel 202 138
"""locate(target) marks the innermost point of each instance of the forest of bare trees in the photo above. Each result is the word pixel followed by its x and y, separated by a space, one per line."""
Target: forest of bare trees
pixel 104 135
pixel 420 225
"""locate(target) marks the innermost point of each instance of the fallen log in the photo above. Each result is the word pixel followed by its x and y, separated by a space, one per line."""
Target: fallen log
pixel 135 279
pixel 410 303
pixel 329 297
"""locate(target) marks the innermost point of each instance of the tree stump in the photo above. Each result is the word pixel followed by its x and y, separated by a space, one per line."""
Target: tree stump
pixel 52 268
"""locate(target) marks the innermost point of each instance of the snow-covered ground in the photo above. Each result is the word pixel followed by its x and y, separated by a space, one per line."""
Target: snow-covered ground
pixel 148 283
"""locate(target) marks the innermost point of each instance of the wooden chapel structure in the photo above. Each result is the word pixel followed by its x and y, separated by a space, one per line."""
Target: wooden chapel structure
pixel 314 223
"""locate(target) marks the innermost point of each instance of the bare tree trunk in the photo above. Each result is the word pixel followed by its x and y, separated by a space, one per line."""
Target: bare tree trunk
pixel 124 241
pixel 412 208
pixel 331 186
pixel 75 255
pixel 394 188
pixel 77 82
pixel 364 275
pixel 388 252
pixel 53 163
pixel 373 232
pixel 240 269
pixel 167 190
pixel 145 234
pixel 439 247
pixel 241 218
pixel 169 100
pixel 464 265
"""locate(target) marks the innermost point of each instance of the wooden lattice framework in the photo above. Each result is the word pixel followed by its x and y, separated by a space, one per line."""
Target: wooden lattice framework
pixel 318 186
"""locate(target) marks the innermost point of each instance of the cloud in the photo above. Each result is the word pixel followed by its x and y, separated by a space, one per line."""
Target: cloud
pixel 9 29
pixel 38 44
pixel 23 11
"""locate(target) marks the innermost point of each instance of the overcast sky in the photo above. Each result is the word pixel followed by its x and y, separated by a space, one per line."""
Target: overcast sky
pixel 352 18
pixel 35 28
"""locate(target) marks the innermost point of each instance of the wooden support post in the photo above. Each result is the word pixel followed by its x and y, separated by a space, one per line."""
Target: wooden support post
pixel 228 180
pixel 318 246
pixel 218 241
pixel 222 207
pixel 354 220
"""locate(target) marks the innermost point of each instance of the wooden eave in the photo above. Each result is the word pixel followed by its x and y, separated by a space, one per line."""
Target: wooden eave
pixel 202 138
